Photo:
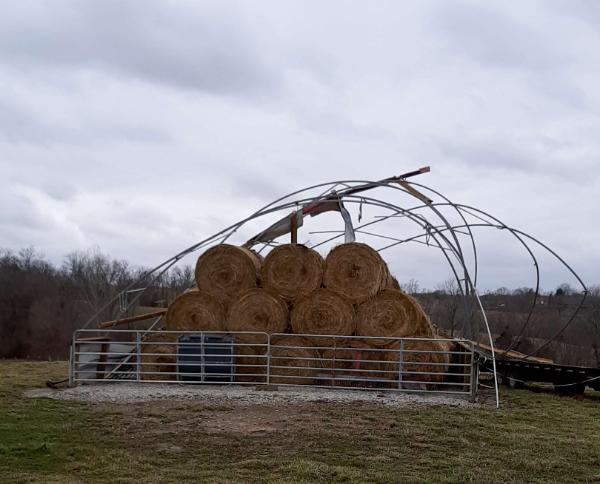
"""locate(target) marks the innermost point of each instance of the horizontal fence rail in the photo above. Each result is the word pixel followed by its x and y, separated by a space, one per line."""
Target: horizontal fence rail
pixel 250 358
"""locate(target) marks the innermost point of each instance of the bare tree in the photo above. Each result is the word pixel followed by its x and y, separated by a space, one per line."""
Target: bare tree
pixel 98 278
pixel 410 287
pixel 449 295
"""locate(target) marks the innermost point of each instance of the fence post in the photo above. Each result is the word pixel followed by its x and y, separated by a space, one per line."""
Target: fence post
pixel 268 359
pixel 72 361
pixel 400 363
pixel 138 356
pixel 474 372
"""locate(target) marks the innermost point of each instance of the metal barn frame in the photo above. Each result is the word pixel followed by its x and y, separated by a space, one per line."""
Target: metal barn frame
pixel 437 222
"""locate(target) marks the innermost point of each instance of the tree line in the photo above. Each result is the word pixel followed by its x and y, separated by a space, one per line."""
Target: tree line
pixel 41 304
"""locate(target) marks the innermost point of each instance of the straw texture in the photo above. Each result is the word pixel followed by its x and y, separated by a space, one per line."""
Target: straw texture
pixel 226 270
pixel 195 311
pixel 292 270
pixel 293 371
pixel 323 312
pixel 389 313
pixel 435 363
pixel 356 271
pixel 162 359
pixel 258 310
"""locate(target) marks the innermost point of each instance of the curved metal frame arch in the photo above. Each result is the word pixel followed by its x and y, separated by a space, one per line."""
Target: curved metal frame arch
pixel 467 285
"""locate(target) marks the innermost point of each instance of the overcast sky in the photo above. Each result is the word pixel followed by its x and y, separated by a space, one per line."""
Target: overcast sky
pixel 142 127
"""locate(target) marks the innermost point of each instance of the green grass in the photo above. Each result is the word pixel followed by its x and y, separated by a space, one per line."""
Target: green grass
pixel 534 437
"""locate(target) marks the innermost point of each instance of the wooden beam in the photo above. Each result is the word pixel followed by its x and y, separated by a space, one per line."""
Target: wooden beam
pixel 294 228
pixel 132 319
pixel 415 192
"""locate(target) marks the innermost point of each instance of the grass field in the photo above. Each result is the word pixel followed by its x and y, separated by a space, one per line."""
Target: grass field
pixel 535 437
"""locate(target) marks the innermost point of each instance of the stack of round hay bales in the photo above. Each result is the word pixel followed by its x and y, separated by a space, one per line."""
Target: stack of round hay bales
pixel 294 291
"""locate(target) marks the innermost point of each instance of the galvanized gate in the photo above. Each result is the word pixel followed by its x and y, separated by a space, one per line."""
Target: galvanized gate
pixel 423 365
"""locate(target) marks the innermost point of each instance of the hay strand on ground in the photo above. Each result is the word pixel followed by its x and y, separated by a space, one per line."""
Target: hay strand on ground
pixel 356 271
pixel 226 270
pixel 195 311
pixel 292 270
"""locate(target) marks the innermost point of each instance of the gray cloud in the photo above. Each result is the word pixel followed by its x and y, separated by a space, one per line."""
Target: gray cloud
pixel 22 125
pixel 195 49
pixel 496 38
pixel 143 127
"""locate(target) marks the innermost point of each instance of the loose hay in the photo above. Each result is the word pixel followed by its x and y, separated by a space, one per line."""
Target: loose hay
pixel 285 367
pixel 226 270
pixel 323 312
pixel 292 270
pixel 160 364
pixel 195 311
pixel 355 270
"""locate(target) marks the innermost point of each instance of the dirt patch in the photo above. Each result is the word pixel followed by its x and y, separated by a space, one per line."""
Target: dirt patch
pixel 163 412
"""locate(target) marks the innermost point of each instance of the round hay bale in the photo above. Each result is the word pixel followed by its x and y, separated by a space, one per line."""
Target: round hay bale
pixel 195 311
pixel 391 314
pixel 386 314
pixel 375 366
pixel 285 367
pixel 157 359
pixel 334 363
pixel 250 358
pixel 258 310
pixel 292 270
pixel 392 283
pixel 261 311
pixel 426 328
pixel 323 312
pixel 435 363
pixel 226 270
pixel 356 271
